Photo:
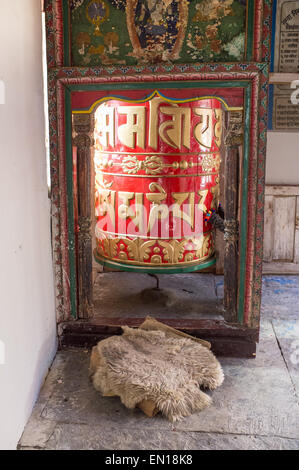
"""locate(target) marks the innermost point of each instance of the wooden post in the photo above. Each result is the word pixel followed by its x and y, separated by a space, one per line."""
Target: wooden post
pixel 83 140
pixel 233 140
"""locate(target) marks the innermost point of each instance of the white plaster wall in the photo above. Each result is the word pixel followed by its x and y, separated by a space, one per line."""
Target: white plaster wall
pixel 282 164
pixel 27 313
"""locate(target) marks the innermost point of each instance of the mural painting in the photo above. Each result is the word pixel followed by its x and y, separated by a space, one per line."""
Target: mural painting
pixel 130 32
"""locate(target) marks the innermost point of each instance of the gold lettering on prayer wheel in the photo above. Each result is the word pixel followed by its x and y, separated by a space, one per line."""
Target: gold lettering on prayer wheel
pixel 156 175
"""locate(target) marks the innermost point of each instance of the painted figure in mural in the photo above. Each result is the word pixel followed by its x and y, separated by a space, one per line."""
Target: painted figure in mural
pixel 156 20
pixel 157 24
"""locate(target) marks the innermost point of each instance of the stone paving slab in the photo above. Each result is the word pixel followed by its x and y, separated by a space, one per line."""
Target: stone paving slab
pixel 73 399
pixel 280 297
pixel 287 334
pixel 72 437
pixel 257 396
pixel 257 407
pixel 192 295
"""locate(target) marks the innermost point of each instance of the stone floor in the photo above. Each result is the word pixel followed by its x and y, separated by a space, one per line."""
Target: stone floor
pixel 196 295
pixel 257 407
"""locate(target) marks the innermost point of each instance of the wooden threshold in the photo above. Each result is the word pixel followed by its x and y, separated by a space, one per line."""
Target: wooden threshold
pixel 279 78
pixel 230 340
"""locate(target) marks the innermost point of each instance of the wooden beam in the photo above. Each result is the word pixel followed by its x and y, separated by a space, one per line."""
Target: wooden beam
pixel 280 78
pixel 83 126
pixel 280 268
pixel 226 339
pixel 233 140
pixel 277 190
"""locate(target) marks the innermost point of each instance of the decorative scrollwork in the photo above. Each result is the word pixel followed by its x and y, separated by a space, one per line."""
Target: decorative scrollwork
pixel 83 123
pixel 234 135
pixel 208 162
pixel 231 230
pixel 84 228
pixel 154 165
pixel 82 140
pixel 156 252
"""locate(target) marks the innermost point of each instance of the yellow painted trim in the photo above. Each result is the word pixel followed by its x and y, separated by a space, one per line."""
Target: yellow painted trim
pixel 140 265
pixel 184 154
pixel 127 175
pixel 134 236
pixel 156 93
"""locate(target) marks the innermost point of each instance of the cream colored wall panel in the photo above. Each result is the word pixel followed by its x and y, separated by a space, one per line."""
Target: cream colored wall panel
pixel 269 224
pixel 281 236
pixel 296 244
pixel 284 228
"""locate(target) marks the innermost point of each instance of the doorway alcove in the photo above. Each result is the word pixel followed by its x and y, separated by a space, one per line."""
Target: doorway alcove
pixel 92 304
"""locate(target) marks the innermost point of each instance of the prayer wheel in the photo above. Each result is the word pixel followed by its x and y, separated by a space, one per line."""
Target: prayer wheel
pixel 157 165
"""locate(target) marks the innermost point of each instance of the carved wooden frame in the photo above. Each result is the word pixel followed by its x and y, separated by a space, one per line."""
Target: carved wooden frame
pixel 62 80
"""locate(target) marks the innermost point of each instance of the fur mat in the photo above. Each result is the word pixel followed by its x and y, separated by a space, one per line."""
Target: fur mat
pixel 152 365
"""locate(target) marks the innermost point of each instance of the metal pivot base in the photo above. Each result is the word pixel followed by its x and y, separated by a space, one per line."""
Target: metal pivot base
pixel 163 297
pixel 175 269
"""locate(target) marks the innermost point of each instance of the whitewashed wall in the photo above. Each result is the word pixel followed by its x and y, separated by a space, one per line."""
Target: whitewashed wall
pixel 27 315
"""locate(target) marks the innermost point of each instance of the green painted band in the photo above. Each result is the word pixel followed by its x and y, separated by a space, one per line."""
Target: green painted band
pixel 244 207
pixel 70 204
pixel 161 85
pixel 66 34
pixel 250 30
pixel 156 270
pixel 246 84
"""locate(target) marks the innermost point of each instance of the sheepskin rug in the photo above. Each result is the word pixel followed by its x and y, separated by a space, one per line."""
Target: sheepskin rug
pixel 166 369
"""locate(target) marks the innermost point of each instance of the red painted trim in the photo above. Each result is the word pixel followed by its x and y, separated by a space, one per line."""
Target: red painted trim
pixel 251 201
pixel 58 22
pixel 64 79
pixel 257 45
pixel 63 196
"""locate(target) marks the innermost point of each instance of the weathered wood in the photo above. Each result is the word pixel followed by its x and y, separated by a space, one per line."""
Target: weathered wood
pixel 219 240
pixel 280 268
pixel 226 339
pixel 220 247
pixel 83 126
pixel 112 326
pixel 296 243
pixel 282 78
pixel 281 240
pixel 281 190
pixel 283 243
pixel 233 140
pixel 269 228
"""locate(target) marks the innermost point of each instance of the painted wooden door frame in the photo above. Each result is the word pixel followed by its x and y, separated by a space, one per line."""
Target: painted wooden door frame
pixel 252 76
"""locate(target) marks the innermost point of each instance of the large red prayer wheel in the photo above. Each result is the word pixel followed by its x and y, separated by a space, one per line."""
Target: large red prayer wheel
pixel 156 175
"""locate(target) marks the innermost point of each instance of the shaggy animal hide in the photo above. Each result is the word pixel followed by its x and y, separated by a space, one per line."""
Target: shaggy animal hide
pixel 153 365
